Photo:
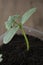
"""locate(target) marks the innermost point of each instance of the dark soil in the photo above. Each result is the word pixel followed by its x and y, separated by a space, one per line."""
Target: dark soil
pixel 15 53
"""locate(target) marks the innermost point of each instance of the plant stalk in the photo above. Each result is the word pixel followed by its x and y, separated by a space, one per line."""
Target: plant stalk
pixel 23 32
pixel 26 39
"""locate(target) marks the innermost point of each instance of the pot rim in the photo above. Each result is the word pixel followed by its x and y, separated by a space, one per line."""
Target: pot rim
pixel 29 30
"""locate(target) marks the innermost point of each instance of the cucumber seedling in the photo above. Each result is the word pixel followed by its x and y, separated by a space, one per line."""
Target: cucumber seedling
pixel 12 26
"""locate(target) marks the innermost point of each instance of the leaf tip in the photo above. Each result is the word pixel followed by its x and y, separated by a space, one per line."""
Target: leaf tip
pixel 4 41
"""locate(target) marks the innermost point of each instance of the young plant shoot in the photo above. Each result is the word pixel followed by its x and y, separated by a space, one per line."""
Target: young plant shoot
pixel 1 58
pixel 12 26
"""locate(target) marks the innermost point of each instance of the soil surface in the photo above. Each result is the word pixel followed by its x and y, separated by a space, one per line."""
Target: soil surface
pixel 15 53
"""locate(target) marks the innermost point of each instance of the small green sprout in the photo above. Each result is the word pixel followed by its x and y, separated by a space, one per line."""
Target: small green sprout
pixel 1 58
pixel 12 26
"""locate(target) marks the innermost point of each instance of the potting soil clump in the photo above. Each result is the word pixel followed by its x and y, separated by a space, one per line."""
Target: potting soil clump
pixel 15 52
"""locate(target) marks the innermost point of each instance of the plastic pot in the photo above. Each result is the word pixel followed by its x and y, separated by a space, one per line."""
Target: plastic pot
pixel 15 52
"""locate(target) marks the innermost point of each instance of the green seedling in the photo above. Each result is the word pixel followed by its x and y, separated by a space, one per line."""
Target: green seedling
pixel 1 58
pixel 12 26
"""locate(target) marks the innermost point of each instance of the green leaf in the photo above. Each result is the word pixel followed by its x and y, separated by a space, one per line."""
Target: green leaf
pixel 11 21
pixel 1 59
pixel 0 55
pixel 27 15
pixel 9 34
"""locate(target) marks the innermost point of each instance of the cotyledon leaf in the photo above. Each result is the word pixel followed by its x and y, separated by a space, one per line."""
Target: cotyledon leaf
pixel 12 31
pixel 27 15
pixel 11 20
pixel 9 34
pixel 0 55
pixel 1 58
